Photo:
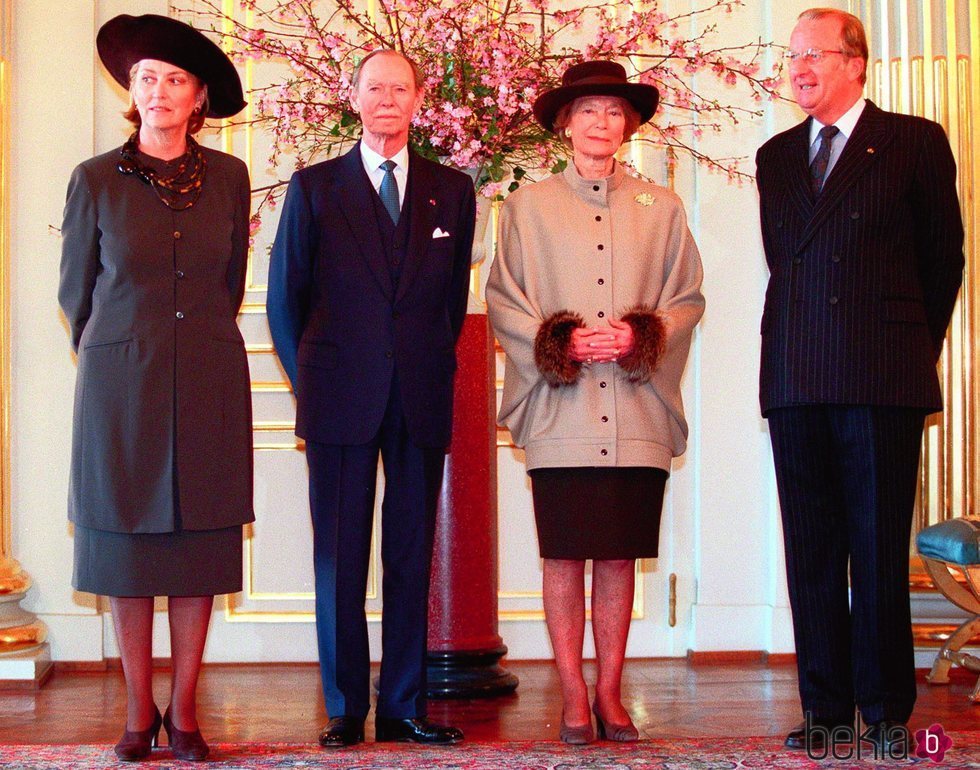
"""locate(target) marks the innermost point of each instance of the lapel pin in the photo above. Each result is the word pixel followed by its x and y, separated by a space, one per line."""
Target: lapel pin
pixel 871 151
pixel 432 201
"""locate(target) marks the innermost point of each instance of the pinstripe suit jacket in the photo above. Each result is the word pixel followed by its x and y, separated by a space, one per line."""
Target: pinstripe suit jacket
pixel 864 277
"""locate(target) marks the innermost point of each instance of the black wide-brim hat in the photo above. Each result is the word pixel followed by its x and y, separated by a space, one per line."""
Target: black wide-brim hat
pixel 124 40
pixel 595 78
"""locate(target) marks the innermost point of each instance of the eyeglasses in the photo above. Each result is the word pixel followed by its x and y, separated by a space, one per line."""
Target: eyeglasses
pixel 809 56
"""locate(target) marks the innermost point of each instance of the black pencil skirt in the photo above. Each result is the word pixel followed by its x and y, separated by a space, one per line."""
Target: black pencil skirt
pixel 598 513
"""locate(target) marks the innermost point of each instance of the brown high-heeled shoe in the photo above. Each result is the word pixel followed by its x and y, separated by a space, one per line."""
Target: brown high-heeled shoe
pixel 137 744
pixel 184 745
pixel 622 733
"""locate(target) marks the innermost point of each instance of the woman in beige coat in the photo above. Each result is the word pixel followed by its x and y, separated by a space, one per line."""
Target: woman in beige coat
pixel 594 296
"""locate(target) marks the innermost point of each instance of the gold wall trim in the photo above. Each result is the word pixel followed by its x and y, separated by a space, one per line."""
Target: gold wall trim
pixel 271 387
pixel 5 337
pixel 273 426
pixel 935 634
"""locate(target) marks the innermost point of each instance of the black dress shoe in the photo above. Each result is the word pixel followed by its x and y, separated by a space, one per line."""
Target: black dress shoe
pixel 890 737
pixel 817 739
pixel 415 730
pixel 189 746
pixel 342 731
pixel 137 744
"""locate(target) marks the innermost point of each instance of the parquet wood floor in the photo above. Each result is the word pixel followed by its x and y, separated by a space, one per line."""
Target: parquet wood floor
pixel 244 703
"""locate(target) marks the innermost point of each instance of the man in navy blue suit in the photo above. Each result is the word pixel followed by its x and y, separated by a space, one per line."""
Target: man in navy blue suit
pixel 864 242
pixel 367 296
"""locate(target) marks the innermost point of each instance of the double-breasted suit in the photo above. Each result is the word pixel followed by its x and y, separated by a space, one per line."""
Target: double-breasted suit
pixel 863 279
pixel 365 315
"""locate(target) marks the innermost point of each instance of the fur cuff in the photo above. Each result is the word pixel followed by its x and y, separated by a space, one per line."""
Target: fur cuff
pixel 552 345
pixel 649 338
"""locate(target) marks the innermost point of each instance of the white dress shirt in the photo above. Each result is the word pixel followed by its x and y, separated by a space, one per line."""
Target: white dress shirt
pixel 845 123
pixel 372 165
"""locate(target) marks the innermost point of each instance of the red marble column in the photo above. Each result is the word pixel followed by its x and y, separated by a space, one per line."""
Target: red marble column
pixel 464 646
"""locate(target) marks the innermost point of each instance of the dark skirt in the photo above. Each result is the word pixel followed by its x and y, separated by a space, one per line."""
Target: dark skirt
pixel 598 513
pixel 183 563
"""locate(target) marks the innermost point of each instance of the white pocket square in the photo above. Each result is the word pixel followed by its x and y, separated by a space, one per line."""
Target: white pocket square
pixel 439 233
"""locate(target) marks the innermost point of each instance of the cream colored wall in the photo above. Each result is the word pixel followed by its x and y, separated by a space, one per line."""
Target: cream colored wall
pixel 725 542
pixel 51 128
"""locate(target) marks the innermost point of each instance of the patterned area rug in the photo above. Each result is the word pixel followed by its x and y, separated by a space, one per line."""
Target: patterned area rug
pixel 677 754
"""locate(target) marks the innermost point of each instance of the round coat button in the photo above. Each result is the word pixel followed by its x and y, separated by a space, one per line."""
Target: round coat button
pixel 177 234
pixel 605 419
pixel 835 258
pixel 601 281
pixel 601 314
pixel 604 452
pixel 595 187
pixel 388 354
pixel 833 300
pixel 179 273
pixel 797 260
pixel 179 314
pixel 602 384
pixel 598 218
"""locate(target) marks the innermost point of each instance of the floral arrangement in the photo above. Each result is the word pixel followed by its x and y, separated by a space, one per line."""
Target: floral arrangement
pixel 484 62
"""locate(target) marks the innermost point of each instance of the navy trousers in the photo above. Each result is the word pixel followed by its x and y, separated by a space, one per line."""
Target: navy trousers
pixel 342 492
pixel 846 477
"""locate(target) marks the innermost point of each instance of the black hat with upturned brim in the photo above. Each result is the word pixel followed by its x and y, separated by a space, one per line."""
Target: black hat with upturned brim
pixel 595 78
pixel 124 40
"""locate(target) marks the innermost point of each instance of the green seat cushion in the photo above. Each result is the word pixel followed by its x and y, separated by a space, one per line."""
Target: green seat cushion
pixel 956 541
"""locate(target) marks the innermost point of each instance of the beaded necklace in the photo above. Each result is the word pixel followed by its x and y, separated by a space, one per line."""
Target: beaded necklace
pixel 178 191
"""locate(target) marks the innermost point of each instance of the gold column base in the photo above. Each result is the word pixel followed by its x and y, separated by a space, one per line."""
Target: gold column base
pixel 20 630
pixel 13 580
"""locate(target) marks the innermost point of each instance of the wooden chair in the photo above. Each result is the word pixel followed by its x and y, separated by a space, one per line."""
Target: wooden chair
pixel 946 549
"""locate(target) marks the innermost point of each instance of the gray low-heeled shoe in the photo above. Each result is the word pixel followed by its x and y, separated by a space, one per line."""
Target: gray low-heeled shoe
pixel 576 736
pixel 621 733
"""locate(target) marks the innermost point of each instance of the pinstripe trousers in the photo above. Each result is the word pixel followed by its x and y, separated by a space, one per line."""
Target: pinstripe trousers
pixel 846 477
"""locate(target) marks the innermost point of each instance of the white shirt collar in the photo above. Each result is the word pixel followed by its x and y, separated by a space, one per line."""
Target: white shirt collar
pixel 845 122
pixel 373 160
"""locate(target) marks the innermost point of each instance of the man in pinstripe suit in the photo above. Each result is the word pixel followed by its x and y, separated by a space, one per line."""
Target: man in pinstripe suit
pixel 864 243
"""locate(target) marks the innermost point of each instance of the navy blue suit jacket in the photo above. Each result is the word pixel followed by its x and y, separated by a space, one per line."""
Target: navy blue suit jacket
pixel 339 324
pixel 864 278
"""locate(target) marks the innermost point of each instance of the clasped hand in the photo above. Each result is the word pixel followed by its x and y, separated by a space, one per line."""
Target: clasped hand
pixel 601 344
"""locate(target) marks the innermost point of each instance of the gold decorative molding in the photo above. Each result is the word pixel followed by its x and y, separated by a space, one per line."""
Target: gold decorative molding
pixel 932 634
pixel 5 521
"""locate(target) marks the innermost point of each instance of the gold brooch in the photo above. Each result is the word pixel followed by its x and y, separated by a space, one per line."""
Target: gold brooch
pixel 644 199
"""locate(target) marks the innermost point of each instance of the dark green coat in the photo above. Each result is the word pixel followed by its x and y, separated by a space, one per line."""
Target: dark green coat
pixel 151 297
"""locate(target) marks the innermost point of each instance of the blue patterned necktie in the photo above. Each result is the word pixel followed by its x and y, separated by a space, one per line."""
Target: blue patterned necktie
pixel 389 190
pixel 818 169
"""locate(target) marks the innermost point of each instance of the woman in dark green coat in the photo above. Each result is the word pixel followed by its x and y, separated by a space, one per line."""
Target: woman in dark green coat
pixel 155 245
